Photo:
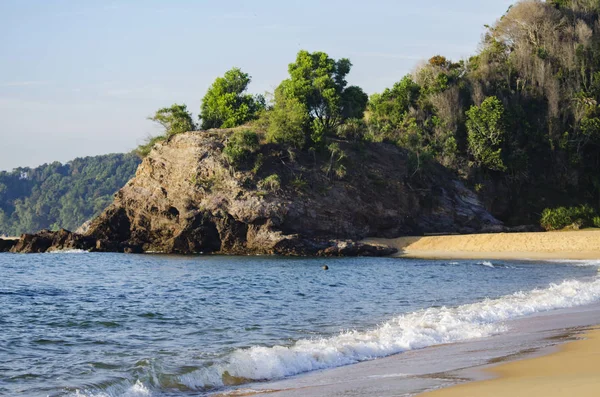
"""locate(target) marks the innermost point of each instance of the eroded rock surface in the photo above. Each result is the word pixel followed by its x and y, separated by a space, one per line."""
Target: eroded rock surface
pixel 186 198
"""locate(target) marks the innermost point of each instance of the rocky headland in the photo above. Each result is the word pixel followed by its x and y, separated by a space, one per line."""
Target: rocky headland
pixel 187 198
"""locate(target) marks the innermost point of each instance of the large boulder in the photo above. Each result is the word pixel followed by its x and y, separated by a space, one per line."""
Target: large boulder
pixel 7 244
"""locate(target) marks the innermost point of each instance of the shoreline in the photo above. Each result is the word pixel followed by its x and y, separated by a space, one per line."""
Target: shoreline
pixel 572 368
pixel 442 367
pixel 577 245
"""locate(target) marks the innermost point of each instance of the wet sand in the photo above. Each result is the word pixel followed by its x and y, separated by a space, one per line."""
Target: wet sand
pixel 573 370
pixel 582 244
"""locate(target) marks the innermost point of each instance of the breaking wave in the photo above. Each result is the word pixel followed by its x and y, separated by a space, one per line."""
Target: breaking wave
pixel 410 331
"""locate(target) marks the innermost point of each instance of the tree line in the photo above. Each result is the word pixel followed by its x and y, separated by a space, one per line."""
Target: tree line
pixel 58 195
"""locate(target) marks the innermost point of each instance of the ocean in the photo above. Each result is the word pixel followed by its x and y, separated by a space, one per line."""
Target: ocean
pixel 83 324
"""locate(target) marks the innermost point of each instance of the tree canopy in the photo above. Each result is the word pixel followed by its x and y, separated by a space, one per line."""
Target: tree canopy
pixel 61 195
pixel 175 119
pixel 318 83
pixel 226 103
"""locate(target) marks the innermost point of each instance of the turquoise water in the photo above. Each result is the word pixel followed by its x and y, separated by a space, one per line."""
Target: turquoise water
pixel 80 324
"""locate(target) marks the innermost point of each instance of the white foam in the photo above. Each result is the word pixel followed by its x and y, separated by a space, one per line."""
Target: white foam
pixel 68 251
pixel 486 264
pixel 410 331
pixel 578 262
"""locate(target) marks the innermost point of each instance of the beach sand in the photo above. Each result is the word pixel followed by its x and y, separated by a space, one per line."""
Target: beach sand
pixel 572 371
pixel 581 244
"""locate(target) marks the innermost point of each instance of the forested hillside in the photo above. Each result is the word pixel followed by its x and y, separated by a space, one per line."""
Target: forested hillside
pixel 520 120
pixel 61 195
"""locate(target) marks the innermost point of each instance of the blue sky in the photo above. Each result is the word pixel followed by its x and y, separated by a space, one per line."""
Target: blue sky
pixel 80 77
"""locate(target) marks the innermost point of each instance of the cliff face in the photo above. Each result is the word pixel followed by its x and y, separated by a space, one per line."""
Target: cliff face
pixel 185 198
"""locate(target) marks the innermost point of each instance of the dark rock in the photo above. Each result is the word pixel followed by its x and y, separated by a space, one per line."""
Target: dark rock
pixel 47 240
pixel 133 249
pixel 352 248
pixel 6 245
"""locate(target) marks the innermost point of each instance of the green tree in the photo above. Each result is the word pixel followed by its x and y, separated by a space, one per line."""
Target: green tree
pixel 388 109
pixel 175 119
pixel 226 103
pixel 486 130
pixel 318 82
pixel 287 121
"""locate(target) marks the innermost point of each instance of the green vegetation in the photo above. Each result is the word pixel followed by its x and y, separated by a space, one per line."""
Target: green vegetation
pixel 485 131
pixel 272 183
pixel 61 195
pixel 519 121
pixel 575 217
pixel 174 120
pixel 240 147
pixel 287 121
pixel 226 104
pixel 317 99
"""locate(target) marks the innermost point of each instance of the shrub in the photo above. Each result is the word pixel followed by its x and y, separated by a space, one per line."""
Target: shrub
pixel 596 221
pixel 144 149
pixel 271 183
pixel 352 130
pixel 240 147
pixel 287 122
pixel 561 217
pixel 300 184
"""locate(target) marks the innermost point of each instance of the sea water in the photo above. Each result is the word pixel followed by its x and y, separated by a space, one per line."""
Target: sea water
pixel 81 324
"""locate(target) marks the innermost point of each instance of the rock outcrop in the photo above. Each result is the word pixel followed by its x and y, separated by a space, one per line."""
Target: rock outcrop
pixel 186 198
pixel 7 244
pixel 47 240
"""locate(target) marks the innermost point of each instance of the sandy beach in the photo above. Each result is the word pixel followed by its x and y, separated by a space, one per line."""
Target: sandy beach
pixel 573 370
pixel 582 244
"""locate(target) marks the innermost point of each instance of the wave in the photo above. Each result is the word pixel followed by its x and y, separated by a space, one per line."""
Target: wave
pixel 410 331
pixel 486 264
pixel 138 389
pixel 69 251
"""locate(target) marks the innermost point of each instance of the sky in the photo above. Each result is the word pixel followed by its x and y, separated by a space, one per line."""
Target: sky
pixel 81 77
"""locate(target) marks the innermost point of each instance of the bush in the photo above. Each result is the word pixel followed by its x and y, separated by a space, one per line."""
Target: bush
pixel 561 217
pixel 287 122
pixel 240 147
pixel 596 221
pixel 144 149
pixel 271 183
pixel 352 130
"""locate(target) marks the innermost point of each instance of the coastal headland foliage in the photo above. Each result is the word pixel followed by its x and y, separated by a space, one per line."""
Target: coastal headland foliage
pixel 519 121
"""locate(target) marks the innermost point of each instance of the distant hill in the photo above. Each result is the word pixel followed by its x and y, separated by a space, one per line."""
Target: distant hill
pixel 58 195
